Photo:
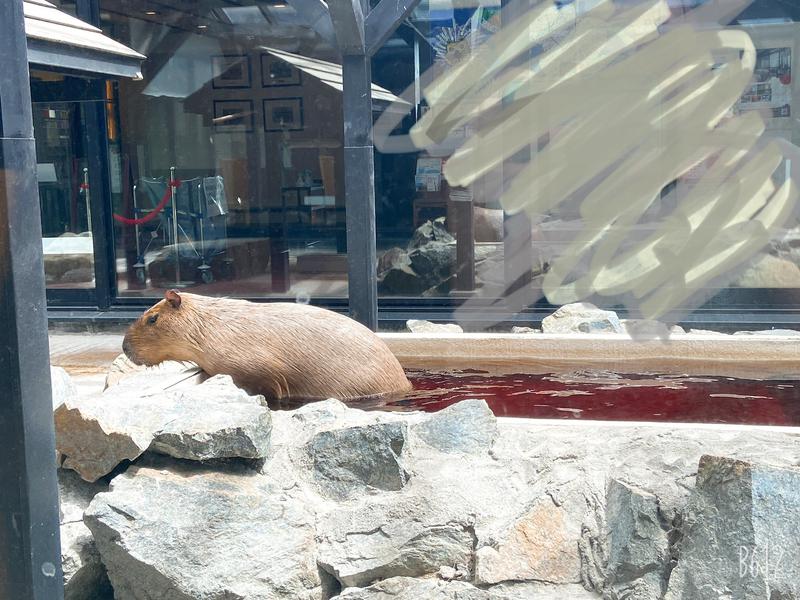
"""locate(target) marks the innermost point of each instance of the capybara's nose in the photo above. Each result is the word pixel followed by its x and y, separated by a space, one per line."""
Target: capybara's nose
pixel 126 348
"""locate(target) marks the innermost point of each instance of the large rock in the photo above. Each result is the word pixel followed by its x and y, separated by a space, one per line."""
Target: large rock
pixel 770 271
pixel 62 386
pixel 434 262
pixel 193 533
pixel 398 278
pixel 208 421
pixel 582 317
pixel 740 534
pixel 420 326
pixel 166 375
pixel 84 574
pixel 523 330
pixel 391 258
pixel 638 548
pixel 354 460
pixel 395 274
pixel 394 535
pixel 431 231
pixel 541 546
pixel 468 426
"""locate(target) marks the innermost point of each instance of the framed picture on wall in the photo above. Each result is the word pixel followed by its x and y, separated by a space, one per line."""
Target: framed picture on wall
pixel 230 71
pixel 283 114
pixel 233 116
pixel 276 72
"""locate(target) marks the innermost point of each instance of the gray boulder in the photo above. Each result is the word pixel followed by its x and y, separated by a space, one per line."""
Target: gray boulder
pixel 62 386
pixel 434 262
pixel 354 460
pixel 518 329
pixel 208 421
pixel 398 278
pixel 468 427
pixel 638 548
pixel 431 231
pixel 582 317
pixel 401 281
pixel 391 258
pixel 740 532
pixel 420 326
pixel 189 532
pixel 84 574
pixel 394 535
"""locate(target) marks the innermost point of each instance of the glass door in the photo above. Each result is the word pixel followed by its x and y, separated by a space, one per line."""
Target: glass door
pixel 64 195
pixel 69 121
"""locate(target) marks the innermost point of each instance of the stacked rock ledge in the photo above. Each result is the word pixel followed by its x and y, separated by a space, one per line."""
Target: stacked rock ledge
pixel 455 505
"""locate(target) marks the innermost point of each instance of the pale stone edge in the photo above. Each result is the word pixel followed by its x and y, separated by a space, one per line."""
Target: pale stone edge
pixel 701 354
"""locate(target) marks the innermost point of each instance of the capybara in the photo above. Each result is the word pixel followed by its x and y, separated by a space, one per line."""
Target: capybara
pixel 283 350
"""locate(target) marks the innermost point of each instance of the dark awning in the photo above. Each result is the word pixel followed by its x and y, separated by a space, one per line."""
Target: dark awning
pixel 57 39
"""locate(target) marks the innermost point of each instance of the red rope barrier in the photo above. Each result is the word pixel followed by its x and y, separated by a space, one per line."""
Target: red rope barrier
pixel 153 213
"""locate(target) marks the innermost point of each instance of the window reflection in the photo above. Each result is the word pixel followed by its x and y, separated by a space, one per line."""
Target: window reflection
pixel 229 153
pixel 440 241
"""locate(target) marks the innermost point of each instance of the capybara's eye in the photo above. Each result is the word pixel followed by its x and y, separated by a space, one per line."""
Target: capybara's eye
pixel 152 319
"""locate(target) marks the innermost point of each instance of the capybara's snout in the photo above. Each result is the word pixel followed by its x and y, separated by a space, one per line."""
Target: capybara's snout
pixel 127 349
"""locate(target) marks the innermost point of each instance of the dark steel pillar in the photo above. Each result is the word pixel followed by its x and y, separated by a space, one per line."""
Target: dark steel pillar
pixel 360 31
pixel 99 177
pixel 359 180
pixel 30 554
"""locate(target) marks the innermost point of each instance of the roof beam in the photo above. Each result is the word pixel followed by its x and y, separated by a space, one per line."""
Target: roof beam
pixel 383 20
pixel 348 22
pixel 316 14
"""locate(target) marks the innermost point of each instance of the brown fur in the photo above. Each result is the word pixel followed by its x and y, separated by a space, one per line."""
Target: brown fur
pixel 281 350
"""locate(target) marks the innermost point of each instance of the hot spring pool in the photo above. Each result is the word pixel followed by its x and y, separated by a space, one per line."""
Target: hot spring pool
pixel 609 396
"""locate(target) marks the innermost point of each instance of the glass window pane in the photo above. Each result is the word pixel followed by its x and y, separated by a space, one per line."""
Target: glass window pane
pixel 59 105
pixel 526 170
pixel 228 153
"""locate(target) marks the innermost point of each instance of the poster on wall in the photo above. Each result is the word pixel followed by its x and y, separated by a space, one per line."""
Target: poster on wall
pixel 283 114
pixel 233 116
pixel 230 71
pixel 276 72
pixel 770 92
pixel 428 176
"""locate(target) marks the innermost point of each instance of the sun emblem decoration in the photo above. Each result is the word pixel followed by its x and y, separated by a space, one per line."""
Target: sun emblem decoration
pixel 452 44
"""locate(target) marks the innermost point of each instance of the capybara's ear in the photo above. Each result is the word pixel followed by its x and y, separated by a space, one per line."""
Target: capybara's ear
pixel 174 298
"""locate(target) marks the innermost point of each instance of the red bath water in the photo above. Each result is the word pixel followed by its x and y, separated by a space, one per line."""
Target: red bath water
pixel 607 396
